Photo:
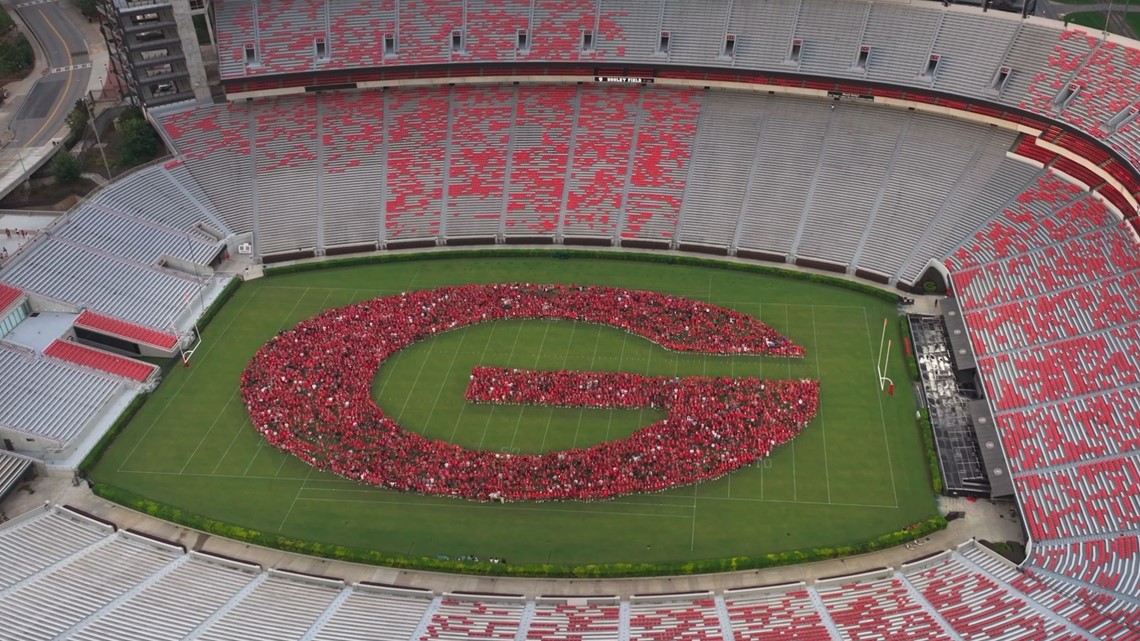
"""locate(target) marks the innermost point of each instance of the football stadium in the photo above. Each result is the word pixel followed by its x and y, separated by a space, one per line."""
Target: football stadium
pixel 607 320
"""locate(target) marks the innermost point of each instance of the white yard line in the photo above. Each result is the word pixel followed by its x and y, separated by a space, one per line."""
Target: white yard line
pixel 882 415
pixel 822 423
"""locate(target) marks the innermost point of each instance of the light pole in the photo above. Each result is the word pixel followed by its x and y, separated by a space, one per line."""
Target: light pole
pixel 89 102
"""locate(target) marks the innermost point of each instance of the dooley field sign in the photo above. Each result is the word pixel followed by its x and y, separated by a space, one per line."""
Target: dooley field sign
pixel 308 392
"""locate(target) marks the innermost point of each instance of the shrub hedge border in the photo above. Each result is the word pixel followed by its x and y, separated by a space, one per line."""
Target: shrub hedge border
pixel 199 522
pixel 562 254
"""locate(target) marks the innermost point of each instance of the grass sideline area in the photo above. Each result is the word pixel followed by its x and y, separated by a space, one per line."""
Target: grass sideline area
pixel 857 473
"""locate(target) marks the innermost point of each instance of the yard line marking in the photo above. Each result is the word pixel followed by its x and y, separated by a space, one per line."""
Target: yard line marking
pixel 237 433
pixel 482 357
pixel 693 531
pixel 522 412
pixel 882 416
pixel 232 395
pixel 787 323
pixel 565 357
pixel 610 416
pixel 822 423
pixel 178 391
pixel 497 506
pixel 510 359
pixel 294 503
pixel 212 425
pixel 833 504
pixel 447 375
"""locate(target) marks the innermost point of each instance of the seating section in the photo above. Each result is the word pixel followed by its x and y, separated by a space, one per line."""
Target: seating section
pixel 1112 564
pixel 978 608
pixel 214 147
pixel 279 606
pixel 565 622
pixel 51 399
pixel 67 576
pixel 684 621
pixel 417 144
pixel 880 609
pixel 123 329
pixel 540 148
pixel 775 615
pixel 662 151
pixel 1089 498
pixel 352 140
pixel 607 118
pixel 480 131
pixel 47 605
pixel 98 359
pixel 38 542
pixel 464 618
pixel 375 613
pixel 186 596
pixel 8 295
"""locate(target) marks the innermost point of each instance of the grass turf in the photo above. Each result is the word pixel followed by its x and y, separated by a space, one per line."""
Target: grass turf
pixel 857 471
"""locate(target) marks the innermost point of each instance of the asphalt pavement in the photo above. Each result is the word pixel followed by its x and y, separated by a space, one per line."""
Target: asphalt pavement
pixel 63 73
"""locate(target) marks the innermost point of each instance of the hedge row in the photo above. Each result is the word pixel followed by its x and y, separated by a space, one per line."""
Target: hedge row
pixel 374 557
pixel 927 430
pixel 564 254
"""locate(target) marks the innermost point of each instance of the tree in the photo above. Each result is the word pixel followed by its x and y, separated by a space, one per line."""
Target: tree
pixel 137 142
pixel 77 119
pixel 67 168
pixel 87 8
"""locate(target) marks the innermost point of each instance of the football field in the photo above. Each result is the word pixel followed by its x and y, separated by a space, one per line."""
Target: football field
pixel 857 471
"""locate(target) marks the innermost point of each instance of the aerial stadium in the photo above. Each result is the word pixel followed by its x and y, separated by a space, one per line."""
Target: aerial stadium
pixel 587 319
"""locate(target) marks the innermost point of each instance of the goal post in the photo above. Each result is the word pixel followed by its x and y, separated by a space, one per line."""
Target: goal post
pixel 882 360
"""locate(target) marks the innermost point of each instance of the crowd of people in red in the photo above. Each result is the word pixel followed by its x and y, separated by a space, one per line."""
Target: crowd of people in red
pixel 308 391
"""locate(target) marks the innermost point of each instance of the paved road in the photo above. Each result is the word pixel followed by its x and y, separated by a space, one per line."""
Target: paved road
pixel 65 78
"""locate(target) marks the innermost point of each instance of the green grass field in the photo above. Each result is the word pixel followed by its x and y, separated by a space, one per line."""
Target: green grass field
pixel 857 471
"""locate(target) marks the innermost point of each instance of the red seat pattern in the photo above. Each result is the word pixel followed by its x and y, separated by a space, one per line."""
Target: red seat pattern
pixel 558 27
pixel 480 130
pixel 601 159
pixel 357 30
pixel 1112 564
pixel 1072 49
pixel 492 28
pixel 882 609
pixel 573 622
pixel 1072 430
pixel 456 619
pixel 660 165
pixel 8 295
pixel 120 366
pixel 697 621
pixel 538 165
pixel 1100 614
pixel 1101 496
pixel 979 609
pixel 775 616
pixel 352 130
pixel 287 35
pixel 123 329
pixel 425 30
pixel 201 133
pixel 286 133
pixel 1028 148
pixel 1018 227
pixel 417 134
